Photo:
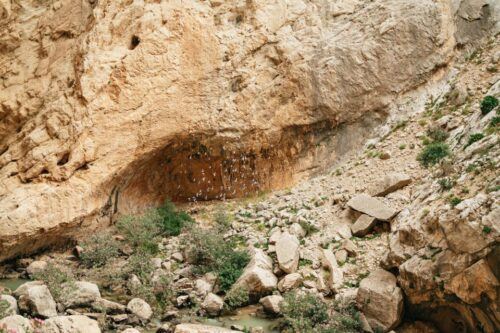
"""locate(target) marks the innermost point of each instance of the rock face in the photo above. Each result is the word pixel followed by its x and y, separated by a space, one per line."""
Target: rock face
pixel 35 298
pixel 381 300
pixel 109 106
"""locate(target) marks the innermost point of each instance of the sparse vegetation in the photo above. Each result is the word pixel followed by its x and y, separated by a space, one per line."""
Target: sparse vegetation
pixel 54 277
pixel 474 138
pixel 98 249
pixel 4 309
pixel 488 104
pixel 433 153
pixel 446 184
pixel 454 201
pixel 236 297
pixel 212 253
pixel 436 134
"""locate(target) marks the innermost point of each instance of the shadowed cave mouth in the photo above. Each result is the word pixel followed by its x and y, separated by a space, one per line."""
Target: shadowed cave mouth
pixel 200 168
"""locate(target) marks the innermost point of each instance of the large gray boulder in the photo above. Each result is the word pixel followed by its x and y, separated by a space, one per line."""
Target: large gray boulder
pixel 258 277
pixel 287 251
pixel 372 206
pixel 212 304
pixel 79 293
pixel 272 303
pixel 35 298
pixel 9 306
pixel 70 324
pixel 16 323
pixel 140 309
pixel 381 300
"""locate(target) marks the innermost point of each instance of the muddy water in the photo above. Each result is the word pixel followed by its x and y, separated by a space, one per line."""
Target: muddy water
pixel 247 317
pixel 12 284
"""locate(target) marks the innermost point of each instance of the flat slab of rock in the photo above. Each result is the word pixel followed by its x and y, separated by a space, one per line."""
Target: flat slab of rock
pixel 381 300
pixel 287 251
pixel 35 298
pixel 70 324
pixel 372 206
pixel 363 225
pixel 390 183
pixel 195 328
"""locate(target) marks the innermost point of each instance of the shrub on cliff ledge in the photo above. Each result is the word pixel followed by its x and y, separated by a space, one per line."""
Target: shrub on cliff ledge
pixel 488 104
pixel 433 153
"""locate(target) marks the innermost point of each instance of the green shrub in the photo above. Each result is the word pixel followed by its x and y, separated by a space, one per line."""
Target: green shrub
pixel 236 298
pixel 210 252
pixel 144 231
pixel 474 138
pixel 303 312
pixel 436 134
pixel 433 153
pixel 222 219
pixel 172 221
pixel 488 104
pixel 54 277
pixel 446 184
pixel 455 201
pixel 98 249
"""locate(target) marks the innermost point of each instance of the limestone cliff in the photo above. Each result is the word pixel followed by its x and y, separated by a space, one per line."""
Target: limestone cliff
pixel 108 106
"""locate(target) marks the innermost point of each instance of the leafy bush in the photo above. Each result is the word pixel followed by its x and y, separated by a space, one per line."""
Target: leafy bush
pixel 488 104
pixel 433 153
pixel 143 232
pixel 436 134
pixel 303 312
pixel 446 184
pixel 236 297
pixel 98 249
pixel 455 201
pixel 474 138
pixel 495 121
pixel 172 221
pixel 210 252
pixel 54 277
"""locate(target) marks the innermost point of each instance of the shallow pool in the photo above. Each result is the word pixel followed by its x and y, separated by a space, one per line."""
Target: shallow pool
pixel 12 284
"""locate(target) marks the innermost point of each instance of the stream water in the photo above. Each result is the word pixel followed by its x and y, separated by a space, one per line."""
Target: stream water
pixel 13 283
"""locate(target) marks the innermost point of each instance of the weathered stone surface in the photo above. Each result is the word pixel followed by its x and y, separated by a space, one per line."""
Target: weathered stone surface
pixel 35 298
pixel 70 324
pixel 475 281
pixel 363 225
pixel 104 71
pixel 36 267
pixel 287 251
pixel 140 309
pixel 16 323
pixel 289 282
pixel 390 183
pixel 272 303
pixel 371 206
pixel 12 308
pixel 131 330
pixel 258 277
pixel 107 306
pixel 336 278
pixel 212 304
pixel 79 293
pixel 195 328
pixel 381 300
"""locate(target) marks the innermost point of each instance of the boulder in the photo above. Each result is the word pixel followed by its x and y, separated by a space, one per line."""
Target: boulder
pixel 272 303
pixel 140 309
pixel 381 300
pixel 108 307
pixel 258 277
pixel 79 293
pixel 336 278
pixel 289 282
pixel 341 256
pixel 196 328
pixel 202 287
pixel 390 183
pixel 17 324
pixel 474 282
pixel 287 251
pixel 70 324
pixel 35 298
pixel 131 330
pixel 372 206
pixel 36 267
pixel 363 225
pixel 212 304
pixel 9 305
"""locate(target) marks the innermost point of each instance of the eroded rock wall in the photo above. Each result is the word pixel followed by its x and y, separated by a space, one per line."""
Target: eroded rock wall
pixel 98 97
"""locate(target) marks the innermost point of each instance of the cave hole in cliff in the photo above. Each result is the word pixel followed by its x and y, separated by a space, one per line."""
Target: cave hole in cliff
pixel 201 167
pixel 134 42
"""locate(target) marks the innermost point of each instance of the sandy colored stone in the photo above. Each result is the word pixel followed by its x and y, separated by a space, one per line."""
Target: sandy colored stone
pixel 390 183
pixel 336 278
pixel 196 328
pixel 35 298
pixel 363 225
pixel 114 107
pixel 16 323
pixel 272 303
pixel 371 206
pixel 70 324
pixel 287 252
pixel 258 277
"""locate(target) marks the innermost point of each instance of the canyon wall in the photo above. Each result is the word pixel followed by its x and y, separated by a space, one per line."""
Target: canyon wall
pixel 110 106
